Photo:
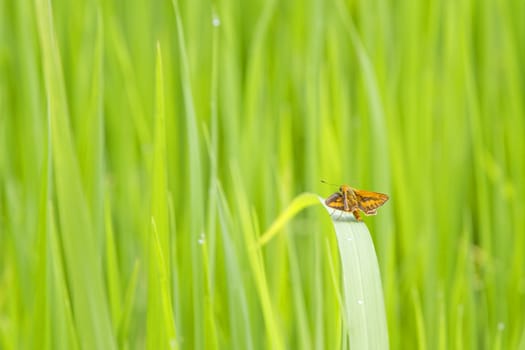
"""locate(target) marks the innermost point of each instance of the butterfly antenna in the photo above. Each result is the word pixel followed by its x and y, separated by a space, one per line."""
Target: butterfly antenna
pixel 327 183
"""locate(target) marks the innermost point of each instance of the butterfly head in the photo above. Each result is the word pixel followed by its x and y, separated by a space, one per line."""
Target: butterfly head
pixel 344 188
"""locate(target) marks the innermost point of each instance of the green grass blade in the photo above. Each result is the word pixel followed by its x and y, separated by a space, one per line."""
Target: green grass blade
pixel 195 176
pixel 81 256
pixel 112 270
pixel 127 308
pixel 65 335
pixel 420 321
pixel 299 203
pixel 304 333
pixel 160 320
pixel 274 334
pixel 238 302
pixel 363 293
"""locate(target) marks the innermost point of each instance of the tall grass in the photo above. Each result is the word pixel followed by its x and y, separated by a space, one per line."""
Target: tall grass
pixel 145 147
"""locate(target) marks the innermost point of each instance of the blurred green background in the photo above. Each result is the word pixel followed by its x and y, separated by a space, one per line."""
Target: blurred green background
pixel 145 145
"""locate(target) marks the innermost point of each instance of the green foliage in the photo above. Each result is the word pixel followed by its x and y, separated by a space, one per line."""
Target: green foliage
pixel 146 147
pixel 363 303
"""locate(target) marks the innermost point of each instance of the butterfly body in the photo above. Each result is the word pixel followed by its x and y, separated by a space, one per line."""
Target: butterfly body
pixel 352 200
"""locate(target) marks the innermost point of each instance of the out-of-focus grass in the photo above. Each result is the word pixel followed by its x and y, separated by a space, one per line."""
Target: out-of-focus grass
pixel 135 182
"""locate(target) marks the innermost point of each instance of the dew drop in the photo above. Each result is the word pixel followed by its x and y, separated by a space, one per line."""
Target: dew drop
pixel 202 239
pixel 360 301
pixel 216 21
pixel 501 326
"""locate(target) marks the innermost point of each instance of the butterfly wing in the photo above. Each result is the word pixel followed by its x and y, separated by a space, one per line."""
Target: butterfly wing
pixel 369 201
pixel 335 201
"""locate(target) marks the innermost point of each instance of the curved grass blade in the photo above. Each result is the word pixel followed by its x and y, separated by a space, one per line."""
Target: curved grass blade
pixel 299 203
pixel 363 294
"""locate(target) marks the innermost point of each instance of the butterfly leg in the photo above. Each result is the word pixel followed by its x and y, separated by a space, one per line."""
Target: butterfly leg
pixel 356 215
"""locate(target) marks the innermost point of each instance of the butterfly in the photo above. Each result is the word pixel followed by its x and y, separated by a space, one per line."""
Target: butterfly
pixel 352 200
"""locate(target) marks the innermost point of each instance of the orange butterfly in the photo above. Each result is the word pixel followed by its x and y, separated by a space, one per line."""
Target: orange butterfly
pixel 349 200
